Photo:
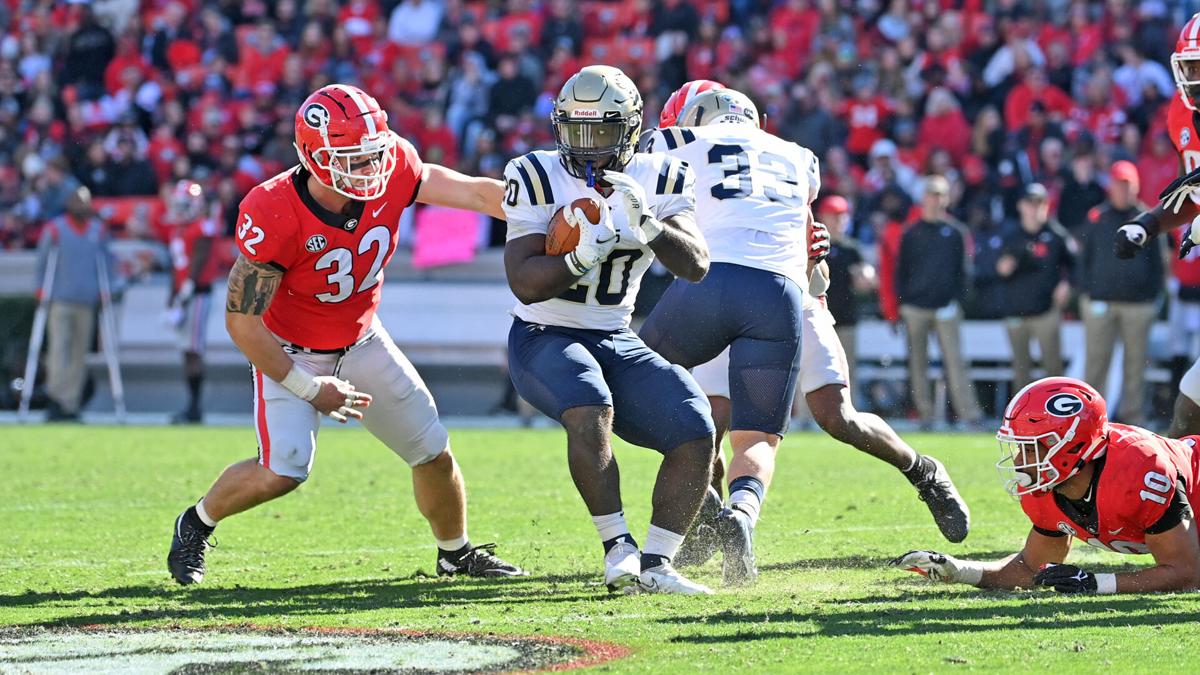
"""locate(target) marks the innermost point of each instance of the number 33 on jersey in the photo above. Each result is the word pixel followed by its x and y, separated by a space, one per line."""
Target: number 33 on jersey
pixel 537 185
pixel 333 262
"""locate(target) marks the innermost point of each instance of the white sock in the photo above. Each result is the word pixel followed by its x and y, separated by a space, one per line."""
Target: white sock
pixel 611 526
pixel 747 502
pixel 661 542
pixel 204 514
pixel 451 545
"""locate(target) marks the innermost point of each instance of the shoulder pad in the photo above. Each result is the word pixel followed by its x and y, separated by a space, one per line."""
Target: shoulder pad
pixel 672 176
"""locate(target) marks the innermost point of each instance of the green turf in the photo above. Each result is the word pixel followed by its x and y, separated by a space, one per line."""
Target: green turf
pixel 86 513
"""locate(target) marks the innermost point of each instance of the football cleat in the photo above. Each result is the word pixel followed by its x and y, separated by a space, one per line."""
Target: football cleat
pixel 188 546
pixel 737 546
pixel 622 565
pixel 666 579
pixel 949 510
pixel 478 561
pixel 701 541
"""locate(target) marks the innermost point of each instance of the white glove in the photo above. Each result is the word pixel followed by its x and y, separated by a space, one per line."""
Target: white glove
pixel 173 316
pixel 596 240
pixel 642 223
pixel 940 567
pixel 186 290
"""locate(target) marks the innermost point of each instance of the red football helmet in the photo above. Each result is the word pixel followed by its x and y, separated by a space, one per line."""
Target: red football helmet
pixel 1052 427
pixel 681 97
pixel 1185 62
pixel 186 202
pixel 343 139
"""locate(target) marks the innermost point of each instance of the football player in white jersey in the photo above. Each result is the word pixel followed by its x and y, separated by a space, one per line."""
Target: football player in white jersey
pixel 571 352
pixel 754 194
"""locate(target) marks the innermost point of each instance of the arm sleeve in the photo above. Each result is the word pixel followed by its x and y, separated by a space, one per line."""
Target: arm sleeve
pixel 523 217
pixel 263 234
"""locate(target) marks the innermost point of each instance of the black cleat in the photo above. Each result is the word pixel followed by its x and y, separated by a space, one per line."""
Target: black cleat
pixel 949 510
pixel 737 546
pixel 186 559
pixel 478 561
pixel 701 541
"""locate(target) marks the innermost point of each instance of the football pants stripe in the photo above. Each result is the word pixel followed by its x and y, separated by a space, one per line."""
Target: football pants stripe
pixel 260 417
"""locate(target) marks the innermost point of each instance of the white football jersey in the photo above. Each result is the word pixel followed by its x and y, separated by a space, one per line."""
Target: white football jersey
pixel 537 185
pixel 754 193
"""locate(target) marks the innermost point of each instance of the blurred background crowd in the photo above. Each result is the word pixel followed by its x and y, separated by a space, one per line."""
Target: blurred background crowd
pixel 998 103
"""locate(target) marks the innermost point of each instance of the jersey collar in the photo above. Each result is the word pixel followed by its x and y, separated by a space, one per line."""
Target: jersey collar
pixel 335 220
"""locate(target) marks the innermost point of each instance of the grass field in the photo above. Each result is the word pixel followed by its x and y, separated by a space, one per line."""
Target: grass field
pixel 86 514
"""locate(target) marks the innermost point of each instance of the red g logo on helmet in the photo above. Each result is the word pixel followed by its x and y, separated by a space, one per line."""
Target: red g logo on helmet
pixel 343 140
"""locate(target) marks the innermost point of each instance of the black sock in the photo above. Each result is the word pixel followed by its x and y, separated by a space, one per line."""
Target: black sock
pixel 921 469
pixel 609 543
pixel 650 560
pixel 193 519
pixel 194 383
pixel 456 555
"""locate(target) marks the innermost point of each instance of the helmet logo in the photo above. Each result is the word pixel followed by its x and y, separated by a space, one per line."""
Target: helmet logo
pixel 585 113
pixel 1064 405
pixel 353 223
pixel 316 116
pixel 315 243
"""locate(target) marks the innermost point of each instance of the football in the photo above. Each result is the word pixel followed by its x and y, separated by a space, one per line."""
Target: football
pixel 561 238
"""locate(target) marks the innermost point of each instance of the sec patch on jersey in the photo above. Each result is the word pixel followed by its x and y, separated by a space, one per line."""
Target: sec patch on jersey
pixel 561 236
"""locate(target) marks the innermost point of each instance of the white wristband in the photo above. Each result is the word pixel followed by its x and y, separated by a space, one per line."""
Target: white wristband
pixel 970 572
pixel 573 265
pixel 1106 584
pixel 301 384
pixel 652 227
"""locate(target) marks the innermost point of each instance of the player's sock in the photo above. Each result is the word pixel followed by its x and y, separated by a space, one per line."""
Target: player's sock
pixel 921 469
pixel 661 546
pixel 194 384
pixel 746 495
pixel 198 518
pixel 612 528
pixel 455 548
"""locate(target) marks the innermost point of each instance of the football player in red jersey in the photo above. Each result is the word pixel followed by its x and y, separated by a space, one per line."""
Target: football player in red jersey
pixel 190 235
pixel 1178 202
pixel 301 306
pixel 1119 488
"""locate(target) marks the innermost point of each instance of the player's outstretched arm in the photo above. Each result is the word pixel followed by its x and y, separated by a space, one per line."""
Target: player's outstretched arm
pixel 252 285
pixel 1177 568
pixel 447 187
pixel 1015 571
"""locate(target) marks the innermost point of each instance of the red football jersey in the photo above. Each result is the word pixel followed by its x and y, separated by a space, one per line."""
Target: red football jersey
pixel 1181 125
pixel 182 240
pixel 1135 487
pixel 333 263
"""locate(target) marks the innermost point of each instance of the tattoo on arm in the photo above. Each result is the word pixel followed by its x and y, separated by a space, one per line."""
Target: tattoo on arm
pixel 251 287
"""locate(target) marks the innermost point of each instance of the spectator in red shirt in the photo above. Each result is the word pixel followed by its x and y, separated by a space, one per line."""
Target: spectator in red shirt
pixel 944 125
pixel 1158 164
pixel 1035 88
pixel 866 115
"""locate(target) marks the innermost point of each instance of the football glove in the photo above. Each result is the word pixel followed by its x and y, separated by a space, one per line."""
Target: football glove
pixel 596 240
pixel 633 197
pixel 940 567
pixel 1131 237
pixel 1071 579
pixel 1190 238
pixel 818 243
pixel 1177 192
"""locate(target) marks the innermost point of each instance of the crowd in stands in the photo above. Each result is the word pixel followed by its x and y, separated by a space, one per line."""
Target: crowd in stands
pixel 127 96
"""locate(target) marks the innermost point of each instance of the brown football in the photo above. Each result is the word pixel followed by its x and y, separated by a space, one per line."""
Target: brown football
pixel 561 238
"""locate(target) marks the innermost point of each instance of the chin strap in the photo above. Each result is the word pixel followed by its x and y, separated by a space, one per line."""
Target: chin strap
pixel 590 173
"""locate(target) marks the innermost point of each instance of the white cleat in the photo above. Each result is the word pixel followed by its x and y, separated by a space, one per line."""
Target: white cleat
pixel 622 565
pixel 665 579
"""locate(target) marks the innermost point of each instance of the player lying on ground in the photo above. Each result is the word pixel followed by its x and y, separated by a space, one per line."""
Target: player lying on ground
pixel 750 329
pixel 301 306
pixel 571 352
pixel 1116 487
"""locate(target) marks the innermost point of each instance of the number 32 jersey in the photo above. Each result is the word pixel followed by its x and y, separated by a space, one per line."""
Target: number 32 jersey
pixel 754 192
pixel 1145 483
pixel 536 186
pixel 333 263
